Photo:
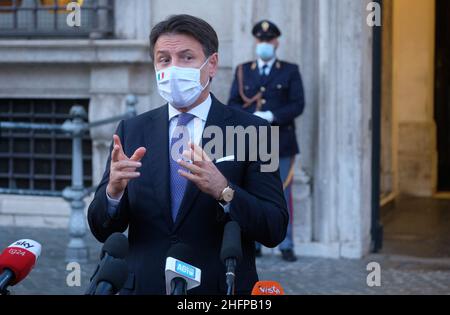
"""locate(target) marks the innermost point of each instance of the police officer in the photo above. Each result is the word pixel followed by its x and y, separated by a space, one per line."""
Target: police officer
pixel 273 90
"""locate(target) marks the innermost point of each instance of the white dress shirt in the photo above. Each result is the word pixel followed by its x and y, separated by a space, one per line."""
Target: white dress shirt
pixel 196 125
pixel 269 64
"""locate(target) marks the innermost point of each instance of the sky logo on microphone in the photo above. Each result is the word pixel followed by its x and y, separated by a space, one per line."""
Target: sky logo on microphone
pixel 24 244
pixel 185 269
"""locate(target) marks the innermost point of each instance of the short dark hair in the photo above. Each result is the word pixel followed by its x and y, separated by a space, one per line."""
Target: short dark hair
pixel 187 25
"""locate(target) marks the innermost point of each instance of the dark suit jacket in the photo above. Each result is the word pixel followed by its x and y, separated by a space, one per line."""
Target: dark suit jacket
pixel 258 206
pixel 283 93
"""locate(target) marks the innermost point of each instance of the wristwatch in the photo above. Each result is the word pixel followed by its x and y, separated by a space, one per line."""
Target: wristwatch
pixel 227 195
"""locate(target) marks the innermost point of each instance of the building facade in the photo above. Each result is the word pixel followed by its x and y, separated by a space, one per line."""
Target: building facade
pixel 329 39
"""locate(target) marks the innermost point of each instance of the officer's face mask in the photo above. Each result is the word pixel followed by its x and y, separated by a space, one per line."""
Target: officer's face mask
pixel 265 51
pixel 179 86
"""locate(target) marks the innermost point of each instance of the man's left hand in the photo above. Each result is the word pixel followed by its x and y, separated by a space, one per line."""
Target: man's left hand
pixel 203 173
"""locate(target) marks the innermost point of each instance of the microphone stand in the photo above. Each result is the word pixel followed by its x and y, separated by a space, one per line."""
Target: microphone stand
pixel 104 288
pixel 178 286
pixel 9 275
pixel 230 276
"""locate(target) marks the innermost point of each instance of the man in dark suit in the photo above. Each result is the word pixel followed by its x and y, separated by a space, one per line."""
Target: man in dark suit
pixel 273 90
pixel 162 197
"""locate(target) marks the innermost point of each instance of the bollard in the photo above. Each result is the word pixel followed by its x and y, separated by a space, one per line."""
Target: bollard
pixel 131 102
pixel 77 250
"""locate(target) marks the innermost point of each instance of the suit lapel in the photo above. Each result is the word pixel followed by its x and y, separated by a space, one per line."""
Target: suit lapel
pixel 157 143
pixel 218 116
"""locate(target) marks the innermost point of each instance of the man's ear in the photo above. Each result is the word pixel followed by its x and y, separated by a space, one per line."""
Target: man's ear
pixel 276 43
pixel 213 64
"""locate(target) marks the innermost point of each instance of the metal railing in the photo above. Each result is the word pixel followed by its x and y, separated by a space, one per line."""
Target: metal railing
pixel 48 19
pixel 38 159
pixel 77 250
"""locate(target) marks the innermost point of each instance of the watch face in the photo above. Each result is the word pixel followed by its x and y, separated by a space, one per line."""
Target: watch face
pixel 228 195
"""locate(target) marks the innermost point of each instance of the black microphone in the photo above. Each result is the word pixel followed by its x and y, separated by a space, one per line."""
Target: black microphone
pixel 116 246
pixel 180 275
pixel 231 252
pixel 111 277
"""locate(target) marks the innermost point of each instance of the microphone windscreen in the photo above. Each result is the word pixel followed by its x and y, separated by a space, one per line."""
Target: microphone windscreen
pixel 267 288
pixel 115 272
pixel 116 246
pixel 20 257
pixel 231 242
pixel 181 251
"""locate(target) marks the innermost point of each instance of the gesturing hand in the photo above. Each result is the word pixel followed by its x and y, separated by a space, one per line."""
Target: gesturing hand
pixel 122 169
pixel 203 173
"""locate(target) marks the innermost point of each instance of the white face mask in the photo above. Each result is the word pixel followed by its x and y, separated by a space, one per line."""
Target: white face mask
pixel 181 87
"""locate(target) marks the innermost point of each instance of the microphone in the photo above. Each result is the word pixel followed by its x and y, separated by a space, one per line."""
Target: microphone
pixel 181 276
pixel 231 252
pixel 111 277
pixel 16 262
pixel 116 246
pixel 267 288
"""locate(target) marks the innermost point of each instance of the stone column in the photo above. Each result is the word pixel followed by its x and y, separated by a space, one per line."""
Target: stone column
pixel 242 45
pixel 108 99
pixel 342 176
pixel 132 20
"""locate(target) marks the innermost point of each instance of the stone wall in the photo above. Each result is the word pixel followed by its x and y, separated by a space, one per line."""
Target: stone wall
pixel 413 96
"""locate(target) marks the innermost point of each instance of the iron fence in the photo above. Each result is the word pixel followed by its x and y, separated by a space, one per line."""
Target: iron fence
pixel 76 127
pixel 48 19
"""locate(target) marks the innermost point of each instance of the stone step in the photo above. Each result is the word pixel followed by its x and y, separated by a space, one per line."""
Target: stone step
pixel 35 212
pixel 34 221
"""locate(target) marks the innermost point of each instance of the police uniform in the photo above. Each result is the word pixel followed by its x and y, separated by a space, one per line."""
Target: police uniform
pixel 276 87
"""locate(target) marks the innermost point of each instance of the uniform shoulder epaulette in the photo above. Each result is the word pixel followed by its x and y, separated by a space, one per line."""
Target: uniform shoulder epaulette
pixel 287 64
pixel 249 65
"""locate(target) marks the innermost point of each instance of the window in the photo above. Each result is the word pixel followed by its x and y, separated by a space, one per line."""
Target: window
pixel 48 18
pixel 40 160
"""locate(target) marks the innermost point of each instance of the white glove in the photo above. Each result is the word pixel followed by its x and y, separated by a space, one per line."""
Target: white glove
pixel 265 115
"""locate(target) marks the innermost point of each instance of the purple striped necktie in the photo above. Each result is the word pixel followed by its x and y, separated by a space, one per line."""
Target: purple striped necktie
pixel 177 182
